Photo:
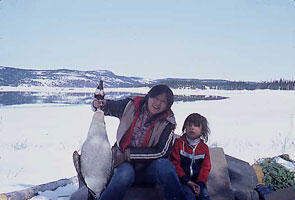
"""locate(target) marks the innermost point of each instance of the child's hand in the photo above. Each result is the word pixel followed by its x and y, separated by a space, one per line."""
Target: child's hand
pixel 195 187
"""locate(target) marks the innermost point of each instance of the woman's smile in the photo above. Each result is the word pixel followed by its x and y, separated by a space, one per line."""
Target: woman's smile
pixel 157 104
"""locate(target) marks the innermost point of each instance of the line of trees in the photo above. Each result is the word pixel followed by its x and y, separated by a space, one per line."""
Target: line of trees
pixel 241 85
pixel 279 85
pixel 230 85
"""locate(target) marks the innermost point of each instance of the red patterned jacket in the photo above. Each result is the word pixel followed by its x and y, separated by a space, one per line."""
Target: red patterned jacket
pixel 159 136
pixel 191 163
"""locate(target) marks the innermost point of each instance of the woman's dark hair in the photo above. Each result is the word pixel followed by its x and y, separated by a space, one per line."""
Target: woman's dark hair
pixel 197 119
pixel 160 89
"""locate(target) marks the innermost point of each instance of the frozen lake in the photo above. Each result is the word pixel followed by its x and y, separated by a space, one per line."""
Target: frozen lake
pixel 37 140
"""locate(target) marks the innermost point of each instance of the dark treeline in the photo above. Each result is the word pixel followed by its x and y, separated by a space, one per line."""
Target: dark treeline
pixel 228 85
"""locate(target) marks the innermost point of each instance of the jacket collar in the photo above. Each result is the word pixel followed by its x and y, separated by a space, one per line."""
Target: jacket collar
pixel 183 139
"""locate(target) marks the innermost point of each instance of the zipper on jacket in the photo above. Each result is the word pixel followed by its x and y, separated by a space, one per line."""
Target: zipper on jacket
pixel 193 160
pixel 193 156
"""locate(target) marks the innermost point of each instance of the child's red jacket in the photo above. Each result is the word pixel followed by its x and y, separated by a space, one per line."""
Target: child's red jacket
pixel 191 163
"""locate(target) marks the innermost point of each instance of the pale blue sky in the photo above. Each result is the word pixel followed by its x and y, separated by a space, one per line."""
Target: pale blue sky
pixel 228 39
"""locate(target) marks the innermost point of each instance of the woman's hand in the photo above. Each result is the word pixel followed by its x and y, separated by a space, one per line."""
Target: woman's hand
pixel 195 187
pixel 97 103
pixel 118 156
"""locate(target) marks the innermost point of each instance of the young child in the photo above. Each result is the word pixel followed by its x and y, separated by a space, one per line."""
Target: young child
pixel 190 156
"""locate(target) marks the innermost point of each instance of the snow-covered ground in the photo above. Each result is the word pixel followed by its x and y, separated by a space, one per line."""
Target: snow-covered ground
pixel 37 140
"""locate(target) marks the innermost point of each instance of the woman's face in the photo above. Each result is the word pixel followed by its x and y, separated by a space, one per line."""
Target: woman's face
pixel 157 104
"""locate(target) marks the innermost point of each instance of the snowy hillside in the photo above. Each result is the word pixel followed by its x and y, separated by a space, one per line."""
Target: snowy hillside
pixel 17 77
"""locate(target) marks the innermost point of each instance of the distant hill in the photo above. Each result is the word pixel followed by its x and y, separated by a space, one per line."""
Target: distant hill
pixel 75 78
pixel 78 79
pixel 64 78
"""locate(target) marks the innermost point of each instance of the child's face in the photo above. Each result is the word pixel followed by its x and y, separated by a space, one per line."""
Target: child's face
pixel 193 131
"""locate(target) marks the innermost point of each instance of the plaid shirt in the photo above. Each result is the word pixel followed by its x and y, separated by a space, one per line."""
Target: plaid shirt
pixel 140 129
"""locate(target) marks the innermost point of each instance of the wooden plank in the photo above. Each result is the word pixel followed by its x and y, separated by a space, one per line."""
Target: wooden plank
pixel 33 191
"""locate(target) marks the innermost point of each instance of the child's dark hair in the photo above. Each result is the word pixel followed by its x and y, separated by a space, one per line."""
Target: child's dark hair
pixel 197 119
pixel 160 89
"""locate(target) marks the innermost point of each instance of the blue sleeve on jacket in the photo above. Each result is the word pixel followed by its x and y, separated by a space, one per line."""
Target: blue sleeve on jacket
pixel 184 180
pixel 161 150
pixel 115 107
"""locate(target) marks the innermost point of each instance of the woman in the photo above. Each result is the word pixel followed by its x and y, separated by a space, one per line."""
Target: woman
pixel 144 141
